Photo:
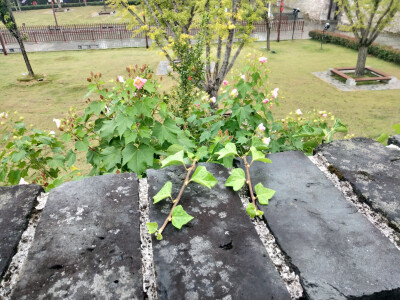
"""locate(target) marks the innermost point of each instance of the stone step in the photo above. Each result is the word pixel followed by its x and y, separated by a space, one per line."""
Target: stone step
pixel 218 255
pixel 338 253
pixel 16 205
pixel 372 169
pixel 87 243
pixel 394 140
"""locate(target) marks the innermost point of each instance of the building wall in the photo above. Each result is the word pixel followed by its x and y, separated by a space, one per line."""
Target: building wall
pixel 318 10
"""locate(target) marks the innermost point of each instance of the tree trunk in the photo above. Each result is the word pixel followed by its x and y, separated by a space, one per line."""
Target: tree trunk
pixel 59 4
pixel 268 37
pixel 27 62
pixel 17 34
pixel 18 4
pixel 361 60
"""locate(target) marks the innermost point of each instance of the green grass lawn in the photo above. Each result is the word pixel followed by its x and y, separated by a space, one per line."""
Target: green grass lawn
pixel 75 15
pixel 367 113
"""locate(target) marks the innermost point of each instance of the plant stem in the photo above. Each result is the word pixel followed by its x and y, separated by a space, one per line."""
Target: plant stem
pixel 248 181
pixel 177 199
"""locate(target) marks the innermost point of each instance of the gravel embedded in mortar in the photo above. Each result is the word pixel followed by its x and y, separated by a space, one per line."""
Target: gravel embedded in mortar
pixel 375 218
pixel 289 277
pixel 149 277
pixel 10 278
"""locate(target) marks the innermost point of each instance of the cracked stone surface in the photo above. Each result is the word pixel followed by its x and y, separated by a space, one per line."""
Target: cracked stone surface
pixel 373 171
pixel 218 255
pixel 16 205
pixel 336 251
pixel 394 140
pixel 87 243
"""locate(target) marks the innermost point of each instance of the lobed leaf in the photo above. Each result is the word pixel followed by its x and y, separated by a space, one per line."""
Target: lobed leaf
pixel 258 156
pixel 203 177
pixel 236 180
pixel 165 192
pixel 180 217
pixel 229 150
pixel 263 194
pixel 176 159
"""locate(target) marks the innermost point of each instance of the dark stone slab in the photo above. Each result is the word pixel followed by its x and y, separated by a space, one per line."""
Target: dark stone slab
pixel 218 254
pixel 87 243
pixel 372 169
pixel 338 253
pixel 16 205
pixel 394 140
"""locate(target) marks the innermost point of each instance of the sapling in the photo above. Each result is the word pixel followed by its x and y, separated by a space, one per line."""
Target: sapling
pixel 177 215
pixel 238 177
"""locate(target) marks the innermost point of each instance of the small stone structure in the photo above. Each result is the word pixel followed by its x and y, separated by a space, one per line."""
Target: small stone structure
pixel 88 242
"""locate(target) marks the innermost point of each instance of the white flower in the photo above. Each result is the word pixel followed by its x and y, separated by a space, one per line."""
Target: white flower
pixel 243 77
pixel 266 141
pixel 298 112
pixel 324 115
pixel 234 92
pixel 22 181
pixel 120 79
pixel 275 93
pixel 3 115
pixel 52 133
pixel 58 123
pixel 261 127
pixel 213 100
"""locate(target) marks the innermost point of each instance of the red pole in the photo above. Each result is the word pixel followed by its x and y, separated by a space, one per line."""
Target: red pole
pixel 280 19
pixel 3 45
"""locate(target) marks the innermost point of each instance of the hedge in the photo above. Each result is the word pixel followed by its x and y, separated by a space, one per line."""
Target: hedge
pixel 386 53
pixel 69 4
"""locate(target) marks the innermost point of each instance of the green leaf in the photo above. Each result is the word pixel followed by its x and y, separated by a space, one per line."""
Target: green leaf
pixel 56 162
pixel 167 131
pixel 17 156
pixel 130 136
pixel 203 177
pixel 174 149
pixel 141 158
pixel 176 159
pixel 159 236
pixel 165 192
pixel 383 138
pixel 201 152
pixel 263 194
pixel 251 210
pixel 123 123
pixel 111 157
pixel 339 127
pixel 14 176
pixel 149 86
pixel 152 227
pixel 66 137
pixel 180 217
pixel 70 158
pixel 397 128
pixel 258 144
pixel 236 180
pixel 258 156
pixel 107 129
pixel 229 150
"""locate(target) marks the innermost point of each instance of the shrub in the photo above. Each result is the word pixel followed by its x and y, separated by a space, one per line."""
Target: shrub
pixel 386 53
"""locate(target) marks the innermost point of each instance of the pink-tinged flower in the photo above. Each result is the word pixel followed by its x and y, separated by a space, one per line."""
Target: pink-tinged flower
pixel 262 59
pixel 58 123
pixel 261 127
pixel 225 82
pixel 139 82
pixel 22 181
pixel 213 100
pixel 3 115
pixel 266 141
pixel 298 112
pixel 265 101
pixel 120 79
pixel 197 104
pixel 235 93
pixel 243 77
pixel 320 112
pixel 325 115
pixel 275 93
